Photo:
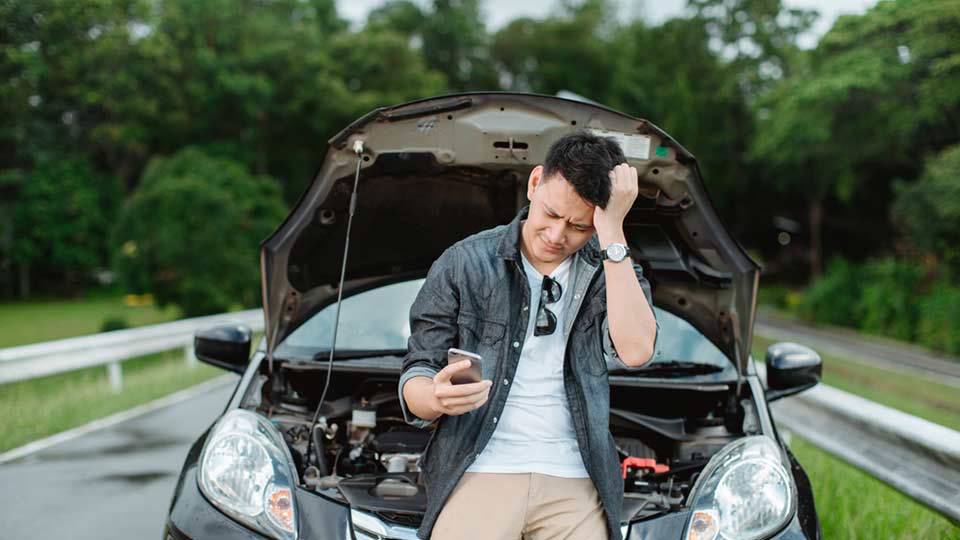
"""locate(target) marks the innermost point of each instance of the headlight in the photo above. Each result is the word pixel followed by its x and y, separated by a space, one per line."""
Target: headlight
pixel 744 493
pixel 246 471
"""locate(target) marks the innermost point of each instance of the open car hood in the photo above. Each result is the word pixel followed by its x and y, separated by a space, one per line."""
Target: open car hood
pixel 436 170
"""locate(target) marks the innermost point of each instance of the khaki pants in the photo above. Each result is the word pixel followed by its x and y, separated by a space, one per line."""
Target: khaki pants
pixel 531 506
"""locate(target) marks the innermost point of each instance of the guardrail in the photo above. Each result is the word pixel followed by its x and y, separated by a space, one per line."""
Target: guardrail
pixel 917 457
pixel 113 348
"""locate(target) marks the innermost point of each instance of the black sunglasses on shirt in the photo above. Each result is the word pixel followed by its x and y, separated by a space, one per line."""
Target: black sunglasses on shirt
pixel 550 292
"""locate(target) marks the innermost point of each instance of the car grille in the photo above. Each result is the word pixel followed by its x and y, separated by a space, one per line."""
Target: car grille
pixel 399 518
pixel 370 527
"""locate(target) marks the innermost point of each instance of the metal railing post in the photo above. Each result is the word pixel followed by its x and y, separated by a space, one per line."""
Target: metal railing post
pixel 116 376
pixel 189 355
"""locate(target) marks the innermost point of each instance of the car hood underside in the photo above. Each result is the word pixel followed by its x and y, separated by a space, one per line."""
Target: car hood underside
pixel 437 170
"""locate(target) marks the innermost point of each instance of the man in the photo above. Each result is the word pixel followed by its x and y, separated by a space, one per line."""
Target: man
pixel 551 302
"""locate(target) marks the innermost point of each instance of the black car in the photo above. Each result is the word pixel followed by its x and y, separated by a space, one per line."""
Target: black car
pixel 295 457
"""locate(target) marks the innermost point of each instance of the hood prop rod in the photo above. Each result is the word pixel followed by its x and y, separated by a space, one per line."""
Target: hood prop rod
pixel 358 150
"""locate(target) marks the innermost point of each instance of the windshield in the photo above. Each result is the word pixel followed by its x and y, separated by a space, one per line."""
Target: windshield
pixel 378 319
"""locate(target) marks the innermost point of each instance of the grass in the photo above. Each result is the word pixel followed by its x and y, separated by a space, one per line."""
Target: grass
pixel 854 505
pixel 909 393
pixel 43 320
pixel 40 407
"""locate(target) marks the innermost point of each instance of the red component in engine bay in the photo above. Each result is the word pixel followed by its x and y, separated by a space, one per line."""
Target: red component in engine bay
pixel 649 464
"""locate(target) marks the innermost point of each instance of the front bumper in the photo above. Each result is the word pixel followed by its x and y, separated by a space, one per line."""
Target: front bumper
pixel 672 526
pixel 193 517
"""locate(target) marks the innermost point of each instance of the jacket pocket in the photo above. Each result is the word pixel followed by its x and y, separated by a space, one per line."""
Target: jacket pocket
pixel 493 332
pixel 468 331
pixel 590 333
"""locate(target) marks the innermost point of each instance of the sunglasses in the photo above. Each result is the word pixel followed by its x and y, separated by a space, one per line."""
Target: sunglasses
pixel 550 293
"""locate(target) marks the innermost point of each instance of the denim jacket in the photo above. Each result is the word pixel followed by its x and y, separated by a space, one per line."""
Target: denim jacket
pixel 476 297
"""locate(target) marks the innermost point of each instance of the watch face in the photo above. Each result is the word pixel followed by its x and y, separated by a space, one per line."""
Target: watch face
pixel 616 252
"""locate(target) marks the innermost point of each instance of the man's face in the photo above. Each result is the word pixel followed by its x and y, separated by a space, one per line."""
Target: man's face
pixel 560 221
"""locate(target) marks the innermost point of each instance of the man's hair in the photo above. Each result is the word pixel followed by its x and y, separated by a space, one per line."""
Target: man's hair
pixel 585 160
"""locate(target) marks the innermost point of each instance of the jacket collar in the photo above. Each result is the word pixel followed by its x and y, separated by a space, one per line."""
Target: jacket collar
pixel 509 247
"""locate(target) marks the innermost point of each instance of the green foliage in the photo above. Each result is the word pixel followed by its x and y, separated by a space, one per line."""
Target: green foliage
pixel 816 135
pixel 858 91
pixel 379 69
pixel 456 44
pixel 778 296
pixel 568 51
pixel 114 323
pixel 760 37
pixel 688 91
pixel 857 112
pixel 248 81
pixel 833 298
pixel 62 218
pixel 888 303
pixel 399 16
pixel 190 232
pixel 939 326
pixel 889 297
pixel 928 210
pixel 878 91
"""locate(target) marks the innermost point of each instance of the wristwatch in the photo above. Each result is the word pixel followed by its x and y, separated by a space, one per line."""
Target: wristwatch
pixel 615 252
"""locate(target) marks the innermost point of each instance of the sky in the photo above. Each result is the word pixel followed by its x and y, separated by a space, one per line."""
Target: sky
pixel 500 12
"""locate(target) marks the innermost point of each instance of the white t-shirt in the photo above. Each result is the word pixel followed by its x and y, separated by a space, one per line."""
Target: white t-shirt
pixel 535 431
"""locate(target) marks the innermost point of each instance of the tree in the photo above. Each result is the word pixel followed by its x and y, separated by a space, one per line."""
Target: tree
pixel 402 17
pixel 64 211
pixel 450 36
pixel 928 210
pixel 880 90
pixel 190 233
pixel 456 43
pixel 71 83
pixel 568 51
pixel 249 81
pixel 379 69
pixel 758 37
pixel 686 89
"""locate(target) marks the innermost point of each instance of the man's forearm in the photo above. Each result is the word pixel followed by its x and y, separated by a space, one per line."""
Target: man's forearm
pixel 633 328
pixel 418 394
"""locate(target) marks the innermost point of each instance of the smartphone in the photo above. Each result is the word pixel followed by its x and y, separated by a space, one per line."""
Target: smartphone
pixel 469 375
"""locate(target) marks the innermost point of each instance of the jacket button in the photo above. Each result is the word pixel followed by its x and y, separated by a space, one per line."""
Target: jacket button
pixel 525 308
pixel 494 419
pixel 516 344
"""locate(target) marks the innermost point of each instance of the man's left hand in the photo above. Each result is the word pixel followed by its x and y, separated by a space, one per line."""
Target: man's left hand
pixel 623 191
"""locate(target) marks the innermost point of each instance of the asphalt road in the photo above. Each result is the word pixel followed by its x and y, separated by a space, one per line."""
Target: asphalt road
pixel 849 344
pixel 113 483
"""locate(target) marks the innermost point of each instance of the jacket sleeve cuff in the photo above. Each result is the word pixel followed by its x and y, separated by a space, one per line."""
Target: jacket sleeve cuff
pixel 614 363
pixel 415 371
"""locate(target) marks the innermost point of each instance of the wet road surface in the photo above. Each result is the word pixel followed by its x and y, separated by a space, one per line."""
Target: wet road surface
pixel 114 483
pixel 846 343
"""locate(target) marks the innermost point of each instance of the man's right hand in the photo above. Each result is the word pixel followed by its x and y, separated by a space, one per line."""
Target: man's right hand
pixel 430 398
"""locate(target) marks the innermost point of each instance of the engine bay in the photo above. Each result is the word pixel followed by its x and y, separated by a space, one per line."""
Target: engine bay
pixel 363 453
